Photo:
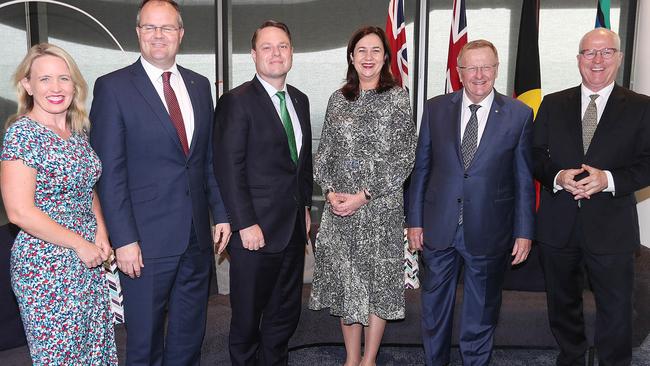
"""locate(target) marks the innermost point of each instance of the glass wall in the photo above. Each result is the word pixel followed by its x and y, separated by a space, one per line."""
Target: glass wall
pixel 320 31
pixel 562 23
pixel 100 36
pixel 14 46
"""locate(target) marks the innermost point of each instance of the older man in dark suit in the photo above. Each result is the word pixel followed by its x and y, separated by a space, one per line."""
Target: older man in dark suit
pixel 152 123
pixel 471 204
pixel 591 153
pixel 263 163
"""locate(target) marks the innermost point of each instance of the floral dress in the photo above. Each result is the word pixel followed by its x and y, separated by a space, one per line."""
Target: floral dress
pixel 63 304
pixel 368 144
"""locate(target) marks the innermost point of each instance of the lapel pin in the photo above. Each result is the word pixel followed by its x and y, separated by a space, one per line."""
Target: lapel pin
pixel 496 111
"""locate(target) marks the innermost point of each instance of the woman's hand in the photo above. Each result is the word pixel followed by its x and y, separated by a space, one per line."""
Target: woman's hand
pixel 345 204
pixel 90 254
pixel 101 241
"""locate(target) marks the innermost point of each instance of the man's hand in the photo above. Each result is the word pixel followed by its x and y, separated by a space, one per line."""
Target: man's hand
pixel 415 236
pixel 345 204
pixel 566 179
pixel 129 259
pixel 252 237
pixel 521 250
pixel 595 182
pixel 221 236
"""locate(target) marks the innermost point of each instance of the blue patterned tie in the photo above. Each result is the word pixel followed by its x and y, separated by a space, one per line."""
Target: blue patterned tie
pixel 469 144
pixel 470 137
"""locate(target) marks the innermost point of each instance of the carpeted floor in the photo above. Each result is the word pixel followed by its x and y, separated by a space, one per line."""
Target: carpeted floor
pixel 522 337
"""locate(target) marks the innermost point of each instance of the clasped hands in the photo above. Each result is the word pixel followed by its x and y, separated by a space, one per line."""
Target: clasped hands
pixel 595 182
pixel 345 204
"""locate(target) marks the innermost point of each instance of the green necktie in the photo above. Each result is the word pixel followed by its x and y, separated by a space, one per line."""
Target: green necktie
pixel 288 127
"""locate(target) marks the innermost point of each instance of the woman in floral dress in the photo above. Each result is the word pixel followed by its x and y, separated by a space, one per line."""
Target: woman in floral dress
pixel 48 172
pixel 366 151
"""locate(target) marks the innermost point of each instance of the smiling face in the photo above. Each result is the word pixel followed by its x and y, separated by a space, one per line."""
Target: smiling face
pixel 50 85
pixel 599 72
pixel 478 83
pixel 272 55
pixel 158 47
pixel 368 59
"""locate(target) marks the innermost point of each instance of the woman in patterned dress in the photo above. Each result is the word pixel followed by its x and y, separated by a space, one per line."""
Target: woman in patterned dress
pixel 366 151
pixel 48 172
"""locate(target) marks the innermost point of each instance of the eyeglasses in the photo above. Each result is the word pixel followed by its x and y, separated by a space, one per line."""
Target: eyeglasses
pixel 486 69
pixel 606 53
pixel 166 29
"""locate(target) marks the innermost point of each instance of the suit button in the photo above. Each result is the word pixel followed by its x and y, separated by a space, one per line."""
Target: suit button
pixel 465 176
pixel 187 192
pixel 459 200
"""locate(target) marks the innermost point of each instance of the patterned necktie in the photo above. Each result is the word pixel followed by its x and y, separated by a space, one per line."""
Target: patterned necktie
pixel 589 122
pixel 288 127
pixel 175 111
pixel 470 137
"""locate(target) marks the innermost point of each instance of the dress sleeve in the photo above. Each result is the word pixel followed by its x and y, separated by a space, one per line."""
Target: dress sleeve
pixel 392 169
pixel 322 167
pixel 22 143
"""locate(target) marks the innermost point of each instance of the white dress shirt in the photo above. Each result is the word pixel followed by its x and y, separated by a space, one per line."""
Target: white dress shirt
pixel 481 114
pixel 183 97
pixel 270 89
pixel 601 102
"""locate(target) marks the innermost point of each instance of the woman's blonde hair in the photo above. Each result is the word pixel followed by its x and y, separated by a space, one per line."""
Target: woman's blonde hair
pixel 77 116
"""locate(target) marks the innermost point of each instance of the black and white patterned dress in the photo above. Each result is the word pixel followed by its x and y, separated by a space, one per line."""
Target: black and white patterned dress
pixel 365 144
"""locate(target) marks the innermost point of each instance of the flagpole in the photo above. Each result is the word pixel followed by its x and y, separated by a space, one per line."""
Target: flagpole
pixel 421 60
pixel 641 84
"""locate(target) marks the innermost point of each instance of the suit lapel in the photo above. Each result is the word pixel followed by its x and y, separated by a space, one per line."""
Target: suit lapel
pixel 574 119
pixel 492 125
pixel 455 113
pixel 613 110
pixel 301 111
pixel 268 109
pixel 195 101
pixel 142 82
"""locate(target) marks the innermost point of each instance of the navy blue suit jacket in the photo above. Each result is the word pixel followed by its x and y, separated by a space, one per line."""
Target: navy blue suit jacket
pixel 149 190
pixel 260 183
pixel 497 189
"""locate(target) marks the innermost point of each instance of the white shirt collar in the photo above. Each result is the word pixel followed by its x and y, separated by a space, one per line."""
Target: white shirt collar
pixel 603 93
pixel 154 72
pixel 270 89
pixel 486 103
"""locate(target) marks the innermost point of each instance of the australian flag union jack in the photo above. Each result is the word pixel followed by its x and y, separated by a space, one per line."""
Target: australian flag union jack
pixel 457 39
pixel 396 33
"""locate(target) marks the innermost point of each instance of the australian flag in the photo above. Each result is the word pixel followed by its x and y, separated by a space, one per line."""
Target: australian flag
pixel 457 39
pixel 396 33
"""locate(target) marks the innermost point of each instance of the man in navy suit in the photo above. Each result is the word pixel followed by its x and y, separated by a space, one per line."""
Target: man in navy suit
pixel 471 204
pixel 152 123
pixel 591 150
pixel 263 162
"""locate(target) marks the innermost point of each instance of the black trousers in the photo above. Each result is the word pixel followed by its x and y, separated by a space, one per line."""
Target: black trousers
pixel 265 297
pixel 612 281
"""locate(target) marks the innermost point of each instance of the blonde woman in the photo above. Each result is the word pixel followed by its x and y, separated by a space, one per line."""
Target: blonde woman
pixel 47 175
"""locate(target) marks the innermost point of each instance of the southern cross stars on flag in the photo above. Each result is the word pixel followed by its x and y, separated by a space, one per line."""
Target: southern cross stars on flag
pixel 457 39
pixel 396 33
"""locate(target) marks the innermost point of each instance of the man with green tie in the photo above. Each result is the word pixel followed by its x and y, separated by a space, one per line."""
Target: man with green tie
pixel 263 160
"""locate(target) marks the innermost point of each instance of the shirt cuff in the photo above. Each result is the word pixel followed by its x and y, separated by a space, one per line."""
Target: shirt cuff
pixel 557 187
pixel 610 183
